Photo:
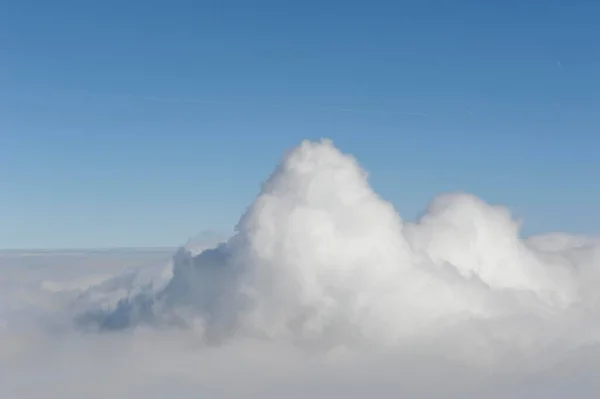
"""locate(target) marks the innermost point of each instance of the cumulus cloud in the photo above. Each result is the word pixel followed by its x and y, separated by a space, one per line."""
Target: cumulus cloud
pixel 324 290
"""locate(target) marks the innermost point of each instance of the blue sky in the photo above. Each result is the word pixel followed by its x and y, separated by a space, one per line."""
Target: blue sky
pixel 142 123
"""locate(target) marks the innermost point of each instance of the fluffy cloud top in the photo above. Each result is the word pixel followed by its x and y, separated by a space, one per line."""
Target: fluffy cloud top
pixel 319 259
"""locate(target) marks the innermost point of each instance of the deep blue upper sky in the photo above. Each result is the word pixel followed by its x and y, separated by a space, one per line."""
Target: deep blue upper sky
pixel 140 123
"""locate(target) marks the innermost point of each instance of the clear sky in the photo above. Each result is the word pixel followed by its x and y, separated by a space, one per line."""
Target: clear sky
pixel 141 123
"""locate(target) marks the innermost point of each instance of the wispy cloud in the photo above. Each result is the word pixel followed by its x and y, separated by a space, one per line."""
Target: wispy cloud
pixel 240 104
pixel 333 109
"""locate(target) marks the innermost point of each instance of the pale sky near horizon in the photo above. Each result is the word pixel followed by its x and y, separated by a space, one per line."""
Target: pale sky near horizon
pixel 126 124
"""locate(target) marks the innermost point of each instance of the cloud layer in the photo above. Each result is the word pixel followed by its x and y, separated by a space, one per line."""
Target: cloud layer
pixel 323 290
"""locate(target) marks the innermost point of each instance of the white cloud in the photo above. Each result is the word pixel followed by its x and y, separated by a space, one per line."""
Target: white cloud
pixel 323 291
